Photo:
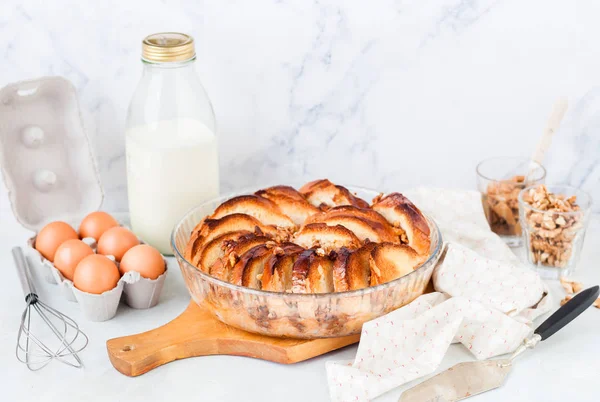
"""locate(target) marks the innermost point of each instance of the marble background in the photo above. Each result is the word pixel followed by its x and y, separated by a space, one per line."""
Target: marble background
pixel 387 94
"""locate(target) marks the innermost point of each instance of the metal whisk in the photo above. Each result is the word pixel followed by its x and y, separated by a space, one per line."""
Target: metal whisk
pixel 30 349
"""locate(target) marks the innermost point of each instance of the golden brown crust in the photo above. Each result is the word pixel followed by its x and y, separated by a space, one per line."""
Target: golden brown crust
pixel 215 249
pixel 266 211
pixel 350 210
pixel 364 229
pixel 300 272
pixel 249 262
pixel 327 237
pixel 282 191
pixel 213 228
pixel 358 269
pixel 191 246
pixel 324 194
pixel 198 226
pixel 320 274
pixel 391 261
pixel 234 222
pixel 233 251
pixel 251 274
pixel 340 282
pixel 401 213
pixel 279 276
pixel 290 202
pixel 279 252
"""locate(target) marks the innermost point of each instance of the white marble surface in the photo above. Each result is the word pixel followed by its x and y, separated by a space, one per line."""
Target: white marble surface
pixel 386 94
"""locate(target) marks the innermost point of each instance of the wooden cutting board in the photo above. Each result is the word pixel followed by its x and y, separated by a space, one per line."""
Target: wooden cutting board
pixel 196 332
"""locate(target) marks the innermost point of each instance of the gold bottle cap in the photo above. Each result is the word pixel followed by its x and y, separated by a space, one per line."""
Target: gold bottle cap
pixel 168 47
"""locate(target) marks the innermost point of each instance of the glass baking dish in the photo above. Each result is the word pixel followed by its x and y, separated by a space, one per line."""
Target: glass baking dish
pixel 297 315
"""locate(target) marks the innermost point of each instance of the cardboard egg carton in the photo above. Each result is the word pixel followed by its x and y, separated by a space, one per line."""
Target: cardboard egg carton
pixel 132 289
pixel 51 175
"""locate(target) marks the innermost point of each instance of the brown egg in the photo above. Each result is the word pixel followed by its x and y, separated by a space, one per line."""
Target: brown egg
pixel 96 274
pixel 53 235
pixel 116 242
pixel 95 224
pixel 69 254
pixel 144 259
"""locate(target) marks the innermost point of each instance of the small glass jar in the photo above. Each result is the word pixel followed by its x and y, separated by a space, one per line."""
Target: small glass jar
pixel 554 220
pixel 499 180
pixel 170 140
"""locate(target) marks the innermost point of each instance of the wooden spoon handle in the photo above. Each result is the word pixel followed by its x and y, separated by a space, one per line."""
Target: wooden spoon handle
pixel 558 112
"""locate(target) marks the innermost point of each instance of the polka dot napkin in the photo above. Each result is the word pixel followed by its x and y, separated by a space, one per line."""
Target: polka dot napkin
pixel 485 300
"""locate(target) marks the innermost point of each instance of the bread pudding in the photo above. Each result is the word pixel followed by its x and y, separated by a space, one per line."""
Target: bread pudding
pixel 318 239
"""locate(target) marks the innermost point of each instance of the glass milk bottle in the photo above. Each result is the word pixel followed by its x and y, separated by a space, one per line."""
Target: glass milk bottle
pixel 170 140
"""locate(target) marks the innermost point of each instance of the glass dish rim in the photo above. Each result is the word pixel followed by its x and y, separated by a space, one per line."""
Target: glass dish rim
pixel 528 206
pixel 432 259
pixel 519 158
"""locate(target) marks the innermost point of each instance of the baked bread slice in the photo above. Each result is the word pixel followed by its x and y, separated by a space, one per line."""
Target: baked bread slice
pixel 198 226
pixel 213 228
pixel 403 214
pixel 281 191
pixel 223 267
pixel 320 273
pixel 215 249
pixel 300 271
pixel 350 210
pixel 364 229
pixel 340 263
pixel 391 261
pixel 266 211
pixel 290 202
pixel 280 279
pixel 192 246
pixel 326 237
pixel 324 194
pixel 277 274
pixel 358 267
pixel 248 270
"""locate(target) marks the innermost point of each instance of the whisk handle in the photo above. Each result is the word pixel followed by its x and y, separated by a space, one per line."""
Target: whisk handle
pixel 22 271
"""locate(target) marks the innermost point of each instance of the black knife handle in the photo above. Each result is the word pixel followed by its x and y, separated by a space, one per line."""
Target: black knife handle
pixel 568 312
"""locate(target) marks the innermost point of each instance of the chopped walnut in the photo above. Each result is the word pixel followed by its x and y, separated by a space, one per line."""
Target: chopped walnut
pixel 401 234
pixel 551 232
pixel 566 299
pixel 377 198
pixel 501 205
pixel 228 245
pixel 571 286
pixel 320 252
pixel 278 251
pixel 569 297
pixel 233 259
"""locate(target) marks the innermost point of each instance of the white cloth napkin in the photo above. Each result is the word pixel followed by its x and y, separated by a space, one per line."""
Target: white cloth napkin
pixel 485 300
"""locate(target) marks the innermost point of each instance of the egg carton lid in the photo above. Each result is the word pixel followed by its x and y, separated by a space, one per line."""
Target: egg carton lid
pixel 45 155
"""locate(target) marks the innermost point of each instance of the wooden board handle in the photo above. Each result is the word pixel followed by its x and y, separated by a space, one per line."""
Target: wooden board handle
pixel 137 354
pixel 196 332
